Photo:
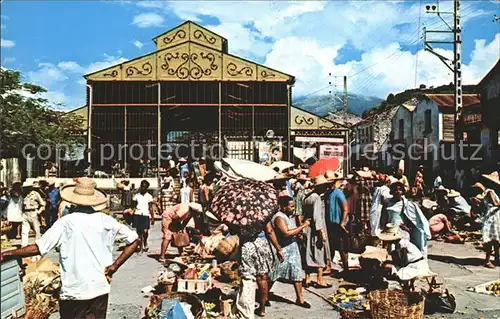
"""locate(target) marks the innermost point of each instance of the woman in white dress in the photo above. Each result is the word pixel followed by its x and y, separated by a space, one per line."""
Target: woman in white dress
pixel 14 210
pixel 186 192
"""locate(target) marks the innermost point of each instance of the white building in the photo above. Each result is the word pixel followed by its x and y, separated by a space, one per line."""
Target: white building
pixel 423 130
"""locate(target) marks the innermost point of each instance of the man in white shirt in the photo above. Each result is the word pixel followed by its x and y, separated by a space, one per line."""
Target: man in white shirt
pixel 144 213
pixel 85 239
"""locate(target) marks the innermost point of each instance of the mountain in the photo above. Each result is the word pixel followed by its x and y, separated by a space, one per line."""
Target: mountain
pixel 322 104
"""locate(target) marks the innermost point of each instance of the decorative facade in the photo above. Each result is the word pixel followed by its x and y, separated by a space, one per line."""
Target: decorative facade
pixel 189 91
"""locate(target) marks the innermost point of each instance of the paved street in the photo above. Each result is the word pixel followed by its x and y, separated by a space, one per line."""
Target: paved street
pixel 127 301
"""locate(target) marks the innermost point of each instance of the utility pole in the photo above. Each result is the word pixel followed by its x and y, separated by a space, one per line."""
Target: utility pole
pixel 454 65
pixel 345 93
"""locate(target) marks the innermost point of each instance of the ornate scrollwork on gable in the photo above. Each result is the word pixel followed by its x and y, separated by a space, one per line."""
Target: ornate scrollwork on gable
pixel 265 74
pixel 145 69
pixel 112 74
pixel 181 34
pixel 300 119
pixel 182 70
pixel 200 35
pixel 196 70
pixel 232 69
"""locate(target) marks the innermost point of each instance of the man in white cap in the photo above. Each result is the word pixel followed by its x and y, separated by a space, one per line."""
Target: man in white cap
pixel 34 204
pixel 85 240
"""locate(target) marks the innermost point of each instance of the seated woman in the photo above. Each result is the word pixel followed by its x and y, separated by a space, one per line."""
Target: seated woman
pixel 407 264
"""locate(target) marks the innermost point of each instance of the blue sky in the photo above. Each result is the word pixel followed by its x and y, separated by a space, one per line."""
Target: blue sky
pixel 53 43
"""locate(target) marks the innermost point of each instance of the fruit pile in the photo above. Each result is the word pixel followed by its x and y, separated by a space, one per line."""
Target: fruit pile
pixel 494 287
pixel 349 299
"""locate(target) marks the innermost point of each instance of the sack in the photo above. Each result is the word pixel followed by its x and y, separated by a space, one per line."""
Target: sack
pixel 440 303
pixel 181 239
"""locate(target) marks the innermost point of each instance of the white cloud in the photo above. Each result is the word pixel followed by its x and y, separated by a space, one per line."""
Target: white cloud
pixel 7 43
pixel 48 75
pixel 108 61
pixel 64 81
pixel 146 20
pixel 138 44
pixel 70 66
pixel 387 69
pixel 242 41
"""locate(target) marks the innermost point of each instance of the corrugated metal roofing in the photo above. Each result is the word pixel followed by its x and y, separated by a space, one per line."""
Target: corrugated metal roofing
pixel 448 100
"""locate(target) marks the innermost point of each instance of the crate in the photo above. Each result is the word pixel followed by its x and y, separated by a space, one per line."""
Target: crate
pixel 196 286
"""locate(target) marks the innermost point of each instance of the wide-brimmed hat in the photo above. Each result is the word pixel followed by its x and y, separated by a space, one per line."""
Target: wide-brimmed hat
pixel 84 193
pixel 279 178
pixel 33 184
pixel 480 186
pixel 182 159
pixel 321 180
pixel 391 233
pixel 428 204
pixel 453 193
pixel 493 177
pixel 365 173
pixel 442 189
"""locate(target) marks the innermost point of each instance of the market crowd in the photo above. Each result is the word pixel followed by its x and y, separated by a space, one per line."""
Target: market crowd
pixel 289 227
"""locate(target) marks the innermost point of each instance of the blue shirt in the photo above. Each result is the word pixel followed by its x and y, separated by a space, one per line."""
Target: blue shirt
pixel 334 200
pixel 54 197
pixel 184 168
pixel 289 188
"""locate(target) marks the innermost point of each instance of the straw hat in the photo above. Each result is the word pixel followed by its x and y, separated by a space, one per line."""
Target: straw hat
pixel 391 233
pixel 334 177
pixel 493 177
pixel 279 178
pixel 84 193
pixel 34 184
pixel 321 180
pixel 442 189
pixel 364 173
pixel 428 204
pixel 480 186
pixel 453 193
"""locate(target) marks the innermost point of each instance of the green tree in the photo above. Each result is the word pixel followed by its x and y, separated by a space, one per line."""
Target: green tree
pixel 26 118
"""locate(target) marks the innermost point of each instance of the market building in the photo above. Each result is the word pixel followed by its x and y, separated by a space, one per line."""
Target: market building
pixel 187 96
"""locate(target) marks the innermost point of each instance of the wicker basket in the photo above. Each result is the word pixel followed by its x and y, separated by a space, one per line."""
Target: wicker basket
pixel 396 304
pixel 228 245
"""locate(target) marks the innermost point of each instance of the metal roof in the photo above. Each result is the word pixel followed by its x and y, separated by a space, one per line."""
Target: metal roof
pixel 448 100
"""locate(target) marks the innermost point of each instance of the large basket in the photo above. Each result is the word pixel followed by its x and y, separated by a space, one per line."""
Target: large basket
pixel 396 304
